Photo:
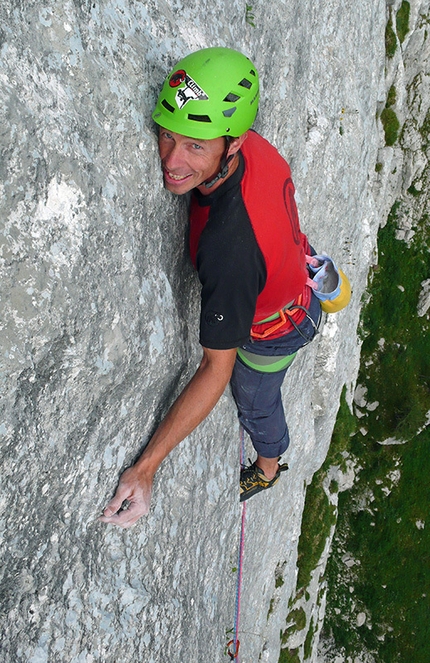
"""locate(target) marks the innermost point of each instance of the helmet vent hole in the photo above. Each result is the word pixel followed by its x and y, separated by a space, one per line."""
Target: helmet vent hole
pixel 199 118
pixel 245 83
pixel 229 112
pixel 168 106
pixel 231 97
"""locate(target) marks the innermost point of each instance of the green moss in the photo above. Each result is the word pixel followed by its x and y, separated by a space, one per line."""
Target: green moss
pixel 402 20
pixel 378 167
pixel 249 16
pixel 296 621
pixel 279 571
pixel 316 524
pixel 307 649
pixel 271 606
pixel 391 126
pixel 289 656
pixel 334 487
pixel 405 397
pixel 414 191
pixel 388 535
pixel 390 40
pixel 391 96
pixel 425 131
pixel 299 618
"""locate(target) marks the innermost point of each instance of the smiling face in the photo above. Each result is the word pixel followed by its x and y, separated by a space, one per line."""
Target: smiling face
pixel 187 162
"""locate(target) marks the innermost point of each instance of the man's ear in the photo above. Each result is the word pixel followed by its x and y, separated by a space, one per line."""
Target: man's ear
pixel 236 144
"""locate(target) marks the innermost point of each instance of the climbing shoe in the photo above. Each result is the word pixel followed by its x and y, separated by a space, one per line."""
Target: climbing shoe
pixel 253 480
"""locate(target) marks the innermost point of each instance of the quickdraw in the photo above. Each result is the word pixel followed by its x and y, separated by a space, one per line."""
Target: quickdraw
pixel 234 654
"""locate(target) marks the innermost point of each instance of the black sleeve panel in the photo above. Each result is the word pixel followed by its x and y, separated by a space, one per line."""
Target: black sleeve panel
pixel 232 272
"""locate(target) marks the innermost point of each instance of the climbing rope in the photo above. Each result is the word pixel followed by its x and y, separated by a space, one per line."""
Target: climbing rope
pixel 234 645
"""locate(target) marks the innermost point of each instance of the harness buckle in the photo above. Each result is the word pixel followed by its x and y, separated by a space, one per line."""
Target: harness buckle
pixel 284 315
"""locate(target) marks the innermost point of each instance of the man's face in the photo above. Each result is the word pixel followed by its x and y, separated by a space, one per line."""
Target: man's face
pixel 187 162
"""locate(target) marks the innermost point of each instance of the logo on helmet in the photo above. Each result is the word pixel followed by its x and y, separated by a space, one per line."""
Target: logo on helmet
pixel 188 91
pixel 177 78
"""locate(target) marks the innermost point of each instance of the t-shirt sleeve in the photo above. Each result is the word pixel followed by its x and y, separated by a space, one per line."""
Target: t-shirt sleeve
pixel 232 272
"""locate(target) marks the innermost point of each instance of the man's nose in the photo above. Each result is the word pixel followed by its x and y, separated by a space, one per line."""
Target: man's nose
pixel 173 157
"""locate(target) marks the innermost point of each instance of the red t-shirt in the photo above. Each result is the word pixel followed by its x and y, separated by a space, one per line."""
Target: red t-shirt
pixel 246 243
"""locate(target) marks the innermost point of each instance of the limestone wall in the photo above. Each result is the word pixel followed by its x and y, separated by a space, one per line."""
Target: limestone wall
pixel 99 323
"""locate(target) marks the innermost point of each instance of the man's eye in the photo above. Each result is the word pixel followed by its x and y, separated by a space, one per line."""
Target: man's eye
pixel 196 146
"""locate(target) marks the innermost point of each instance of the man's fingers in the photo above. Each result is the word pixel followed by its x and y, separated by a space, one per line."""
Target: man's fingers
pixel 122 498
pixel 126 517
pixel 115 504
pixel 122 519
pixel 131 500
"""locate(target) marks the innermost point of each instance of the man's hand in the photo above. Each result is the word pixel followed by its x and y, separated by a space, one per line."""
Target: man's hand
pixel 135 490
pixel 191 407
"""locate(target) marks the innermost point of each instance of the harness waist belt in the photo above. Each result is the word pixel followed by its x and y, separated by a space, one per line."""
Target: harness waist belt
pixel 275 316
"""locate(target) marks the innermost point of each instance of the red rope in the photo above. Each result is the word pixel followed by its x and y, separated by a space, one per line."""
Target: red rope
pixel 233 645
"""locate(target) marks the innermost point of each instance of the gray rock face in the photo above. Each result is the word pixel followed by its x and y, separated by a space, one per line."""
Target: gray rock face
pixel 99 324
pixel 424 298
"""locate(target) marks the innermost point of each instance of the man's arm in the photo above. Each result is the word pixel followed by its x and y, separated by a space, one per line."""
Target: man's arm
pixel 192 406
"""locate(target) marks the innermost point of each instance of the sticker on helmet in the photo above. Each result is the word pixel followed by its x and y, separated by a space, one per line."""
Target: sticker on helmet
pixel 177 78
pixel 187 92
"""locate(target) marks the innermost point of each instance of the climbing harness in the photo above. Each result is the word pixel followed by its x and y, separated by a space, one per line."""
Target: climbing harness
pixel 275 363
pixel 265 363
pixel 234 645
pixel 280 319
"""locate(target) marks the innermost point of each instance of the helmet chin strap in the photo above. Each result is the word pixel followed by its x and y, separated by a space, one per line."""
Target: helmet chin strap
pixel 223 171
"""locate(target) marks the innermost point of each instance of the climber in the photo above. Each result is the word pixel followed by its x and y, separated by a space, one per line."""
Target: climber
pixel 257 308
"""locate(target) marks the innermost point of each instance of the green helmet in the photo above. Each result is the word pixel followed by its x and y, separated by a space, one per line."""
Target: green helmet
pixel 211 93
